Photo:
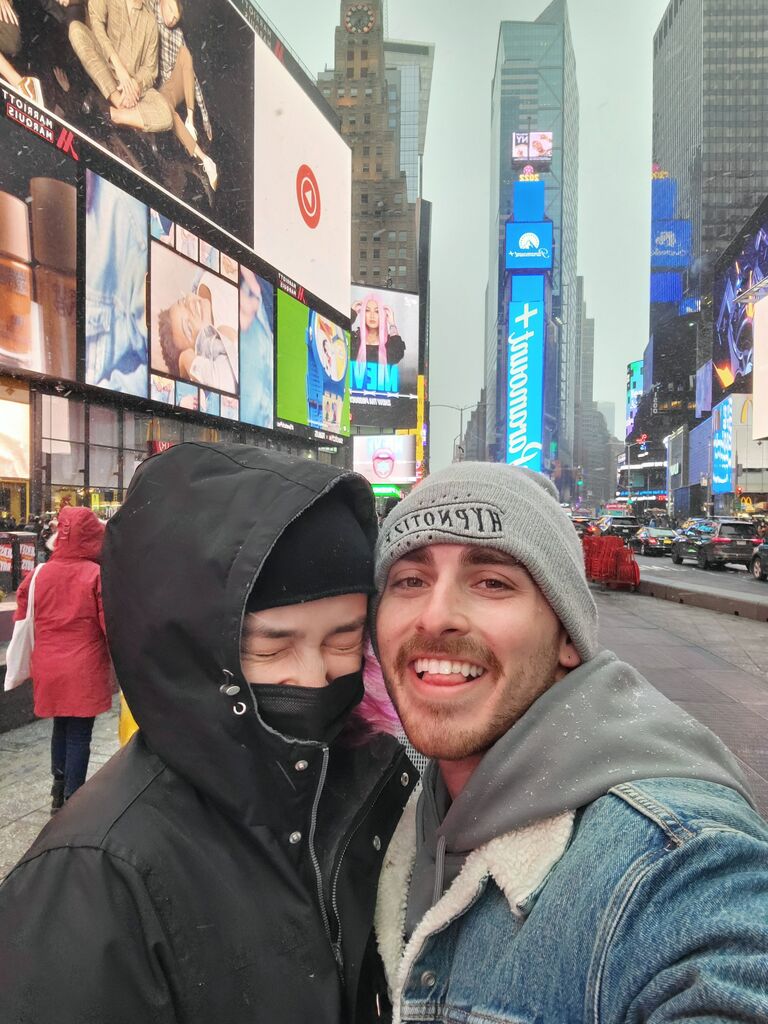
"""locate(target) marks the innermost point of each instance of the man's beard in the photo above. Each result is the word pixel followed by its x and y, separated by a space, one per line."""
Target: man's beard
pixel 457 728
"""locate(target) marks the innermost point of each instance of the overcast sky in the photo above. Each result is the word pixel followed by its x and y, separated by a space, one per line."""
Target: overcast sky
pixel 613 45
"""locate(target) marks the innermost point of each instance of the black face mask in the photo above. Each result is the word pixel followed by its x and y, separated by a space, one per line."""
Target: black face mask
pixel 309 712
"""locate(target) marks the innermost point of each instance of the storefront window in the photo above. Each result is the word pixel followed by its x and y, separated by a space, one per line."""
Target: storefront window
pixel 104 426
pixel 104 467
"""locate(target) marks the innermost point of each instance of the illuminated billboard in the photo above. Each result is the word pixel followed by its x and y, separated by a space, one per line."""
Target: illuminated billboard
pixel 386 459
pixel 206 342
pixel 529 246
pixel 733 343
pixel 634 393
pixel 704 389
pixel 312 372
pixel 302 185
pixel 182 131
pixel 14 440
pixel 525 384
pixel 666 286
pixel 722 447
pixel 760 372
pixel 38 256
pixel 532 148
pixel 670 243
pixel 384 355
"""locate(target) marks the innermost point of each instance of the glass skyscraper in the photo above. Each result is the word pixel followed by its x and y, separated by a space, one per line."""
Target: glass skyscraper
pixel 534 90
pixel 710 127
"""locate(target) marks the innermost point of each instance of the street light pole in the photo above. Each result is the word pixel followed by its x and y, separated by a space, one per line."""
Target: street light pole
pixel 460 409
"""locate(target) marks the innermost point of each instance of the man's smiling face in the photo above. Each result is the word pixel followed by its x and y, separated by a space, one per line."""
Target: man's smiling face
pixel 467 643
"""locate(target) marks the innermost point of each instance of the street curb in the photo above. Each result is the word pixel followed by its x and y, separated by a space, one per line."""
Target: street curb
pixel 699 597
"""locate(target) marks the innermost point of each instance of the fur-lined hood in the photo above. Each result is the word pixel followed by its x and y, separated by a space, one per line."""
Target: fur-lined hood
pixel 519 863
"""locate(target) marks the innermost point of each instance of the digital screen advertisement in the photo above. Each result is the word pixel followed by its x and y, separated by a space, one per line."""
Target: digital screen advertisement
pixel 722 447
pixel 529 246
pixel 634 393
pixel 14 440
pixel 302 185
pixel 666 286
pixel 38 243
pixel 670 243
pixel 532 148
pixel 312 372
pixel 384 358
pixel 525 390
pixel 386 459
pixel 733 351
pixel 704 389
pixel 183 132
pixel 760 372
pixel 208 333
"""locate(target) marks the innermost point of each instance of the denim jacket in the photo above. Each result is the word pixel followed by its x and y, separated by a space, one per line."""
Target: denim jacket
pixel 650 904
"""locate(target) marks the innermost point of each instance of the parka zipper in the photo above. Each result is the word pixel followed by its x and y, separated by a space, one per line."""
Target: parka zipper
pixel 335 884
pixel 316 864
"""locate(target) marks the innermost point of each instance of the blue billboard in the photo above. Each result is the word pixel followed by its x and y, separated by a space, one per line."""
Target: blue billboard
pixel 529 245
pixel 722 447
pixel 670 243
pixel 666 286
pixel 525 384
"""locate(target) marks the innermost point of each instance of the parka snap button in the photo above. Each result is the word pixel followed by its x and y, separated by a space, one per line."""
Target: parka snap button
pixel 301 766
pixel 428 979
pixel 376 843
pixel 230 689
pixel 405 779
pixel 294 837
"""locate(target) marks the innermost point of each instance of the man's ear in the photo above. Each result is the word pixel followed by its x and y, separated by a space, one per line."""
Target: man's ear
pixel 569 657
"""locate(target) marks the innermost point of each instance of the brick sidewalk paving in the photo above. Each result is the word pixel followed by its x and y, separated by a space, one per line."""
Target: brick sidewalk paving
pixel 713 665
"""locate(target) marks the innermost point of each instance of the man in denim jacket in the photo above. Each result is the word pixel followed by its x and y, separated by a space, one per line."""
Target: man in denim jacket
pixel 581 849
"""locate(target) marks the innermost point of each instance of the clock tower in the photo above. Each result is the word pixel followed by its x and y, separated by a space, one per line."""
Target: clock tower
pixel 366 96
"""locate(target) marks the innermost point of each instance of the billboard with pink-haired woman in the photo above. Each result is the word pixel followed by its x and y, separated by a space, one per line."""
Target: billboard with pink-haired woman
pixel 384 357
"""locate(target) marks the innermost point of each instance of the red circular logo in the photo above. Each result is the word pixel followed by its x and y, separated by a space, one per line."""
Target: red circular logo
pixel 308 195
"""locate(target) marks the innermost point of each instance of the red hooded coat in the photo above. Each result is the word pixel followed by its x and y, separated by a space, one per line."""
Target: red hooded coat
pixel 71 666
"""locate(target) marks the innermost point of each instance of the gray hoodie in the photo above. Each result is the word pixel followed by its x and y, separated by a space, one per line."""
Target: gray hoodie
pixel 600 726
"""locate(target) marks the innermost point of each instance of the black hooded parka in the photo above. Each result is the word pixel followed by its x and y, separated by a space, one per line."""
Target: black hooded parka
pixel 214 871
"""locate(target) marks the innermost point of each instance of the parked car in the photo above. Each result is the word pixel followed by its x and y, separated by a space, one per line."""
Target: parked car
pixel 759 564
pixel 619 526
pixel 717 542
pixel 649 540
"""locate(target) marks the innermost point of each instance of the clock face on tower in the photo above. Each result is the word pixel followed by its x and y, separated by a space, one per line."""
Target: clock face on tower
pixel 359 18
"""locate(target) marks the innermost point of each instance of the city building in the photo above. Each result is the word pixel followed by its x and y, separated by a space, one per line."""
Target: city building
pixel 710 133
pixel 534 138
pixel 409 74
pixel 141 310
pixel 380 89
pixel 593 474
pixel 608 409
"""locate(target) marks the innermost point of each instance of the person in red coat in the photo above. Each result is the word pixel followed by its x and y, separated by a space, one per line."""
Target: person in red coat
pixel 71 667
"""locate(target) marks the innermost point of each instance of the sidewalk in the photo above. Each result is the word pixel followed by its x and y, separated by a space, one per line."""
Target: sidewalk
pixel 715 666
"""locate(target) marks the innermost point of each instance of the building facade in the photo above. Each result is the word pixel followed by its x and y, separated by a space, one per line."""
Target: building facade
pixel 710 130
pixel 534 94
pixel 380 89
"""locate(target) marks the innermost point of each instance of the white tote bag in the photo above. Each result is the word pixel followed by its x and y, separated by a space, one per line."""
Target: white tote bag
pixel 18 657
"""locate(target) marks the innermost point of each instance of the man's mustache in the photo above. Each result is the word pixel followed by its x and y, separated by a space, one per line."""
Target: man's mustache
pixel 450 648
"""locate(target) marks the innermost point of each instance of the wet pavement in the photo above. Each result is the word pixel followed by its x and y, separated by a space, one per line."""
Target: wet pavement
pixel 713 665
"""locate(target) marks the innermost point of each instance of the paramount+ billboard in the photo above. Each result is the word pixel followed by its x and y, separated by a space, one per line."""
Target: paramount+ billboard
pixel 529 246
pixel 525 384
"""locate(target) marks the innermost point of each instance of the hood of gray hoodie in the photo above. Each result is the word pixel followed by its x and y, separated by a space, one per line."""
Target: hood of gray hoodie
pixel 600 726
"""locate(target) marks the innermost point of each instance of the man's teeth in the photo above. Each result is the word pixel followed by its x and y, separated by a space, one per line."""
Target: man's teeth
pixel 437 667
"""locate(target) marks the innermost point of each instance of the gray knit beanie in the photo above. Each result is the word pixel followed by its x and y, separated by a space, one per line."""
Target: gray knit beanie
pixel 509 508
